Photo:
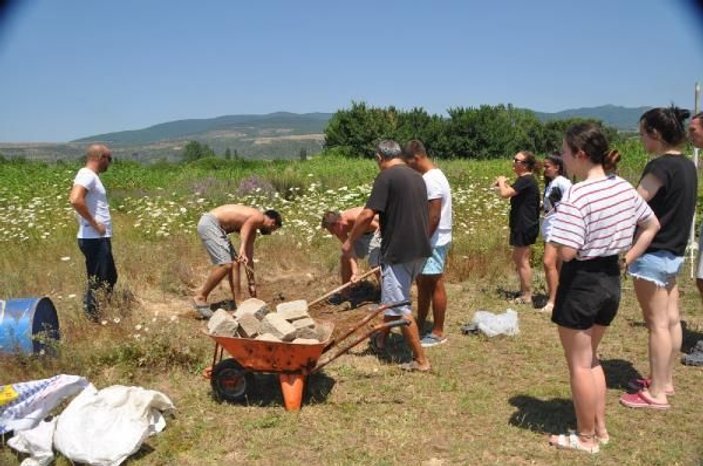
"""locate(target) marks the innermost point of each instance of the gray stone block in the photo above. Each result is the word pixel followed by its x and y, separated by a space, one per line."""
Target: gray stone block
pixel 268 337
pixel 222 323
pixel 307 333
pixel 302 323
pixel 252 306
pixel 306 341
pixel 278 327
pixel 293 310
pixel 249 326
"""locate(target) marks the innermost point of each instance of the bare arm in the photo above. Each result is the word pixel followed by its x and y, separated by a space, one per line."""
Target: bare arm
pixel 435 213
pixel 247 235
pixel 77 200
pixel 504 189
pixel 566 253
pixel 648 187
pixel 645 235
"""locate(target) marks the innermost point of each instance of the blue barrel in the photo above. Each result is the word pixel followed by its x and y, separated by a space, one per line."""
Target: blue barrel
pixel 28 325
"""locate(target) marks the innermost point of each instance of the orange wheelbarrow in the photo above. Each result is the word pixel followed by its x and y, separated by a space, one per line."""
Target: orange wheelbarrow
pixel 292 361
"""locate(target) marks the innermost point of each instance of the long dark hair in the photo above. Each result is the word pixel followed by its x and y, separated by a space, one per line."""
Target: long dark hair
pixel 668 122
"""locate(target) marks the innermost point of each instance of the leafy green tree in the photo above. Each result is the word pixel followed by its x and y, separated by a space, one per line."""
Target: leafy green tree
pixel 194 150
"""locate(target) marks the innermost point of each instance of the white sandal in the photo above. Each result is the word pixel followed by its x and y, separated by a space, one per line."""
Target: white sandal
pixel 571 442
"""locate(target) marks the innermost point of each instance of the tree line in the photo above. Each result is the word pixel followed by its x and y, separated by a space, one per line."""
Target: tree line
pixel 473 133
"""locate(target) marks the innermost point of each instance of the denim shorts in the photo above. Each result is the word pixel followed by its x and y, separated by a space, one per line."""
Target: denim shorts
pixel 436 262
pixel 659 267
pixel 396 281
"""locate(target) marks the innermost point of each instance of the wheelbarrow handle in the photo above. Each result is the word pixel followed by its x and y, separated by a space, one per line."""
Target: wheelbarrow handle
pixel 364 321
pixel 377 328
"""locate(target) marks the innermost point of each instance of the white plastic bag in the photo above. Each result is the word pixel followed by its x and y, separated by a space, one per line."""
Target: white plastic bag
pixel 36 399
pixel 107 426
pixel 36 442
pixel 496 324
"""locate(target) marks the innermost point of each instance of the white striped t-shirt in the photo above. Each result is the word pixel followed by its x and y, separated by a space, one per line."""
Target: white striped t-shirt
pixel 598 217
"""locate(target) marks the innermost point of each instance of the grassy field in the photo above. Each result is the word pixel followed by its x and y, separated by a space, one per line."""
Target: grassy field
pixel 486 400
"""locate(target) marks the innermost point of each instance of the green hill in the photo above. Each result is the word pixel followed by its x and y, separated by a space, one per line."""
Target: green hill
pixel 621 118
pixel 280 135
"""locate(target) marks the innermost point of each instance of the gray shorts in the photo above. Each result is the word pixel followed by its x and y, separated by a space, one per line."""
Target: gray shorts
pixel 215 240
pixel 369 244
pixel 396 281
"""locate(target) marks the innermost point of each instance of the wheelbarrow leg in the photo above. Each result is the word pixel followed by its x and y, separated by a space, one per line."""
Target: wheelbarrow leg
pixel 292 388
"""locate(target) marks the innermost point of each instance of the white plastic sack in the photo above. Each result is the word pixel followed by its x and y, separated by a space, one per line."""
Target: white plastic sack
pixel 496 324
pixel 36 400
pixel 107 426
pixel 36 442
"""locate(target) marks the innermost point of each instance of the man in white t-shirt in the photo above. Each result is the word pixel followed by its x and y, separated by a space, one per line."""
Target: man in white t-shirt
pixel 89 199
pixel 430 283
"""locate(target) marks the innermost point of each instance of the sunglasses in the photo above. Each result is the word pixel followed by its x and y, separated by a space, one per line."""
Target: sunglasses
pixel 516 160
pixel 108 157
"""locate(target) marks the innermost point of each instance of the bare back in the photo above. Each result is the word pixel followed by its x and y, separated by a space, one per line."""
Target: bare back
pixel 349 217
pixel 232 216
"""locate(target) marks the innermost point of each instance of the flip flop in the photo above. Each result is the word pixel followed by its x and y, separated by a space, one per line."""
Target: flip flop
pixel 641 400
pixel 413 366
pixel 571 442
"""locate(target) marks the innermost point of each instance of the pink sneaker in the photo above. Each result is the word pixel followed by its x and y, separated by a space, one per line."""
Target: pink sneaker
pixel 640 384
pixel 641 400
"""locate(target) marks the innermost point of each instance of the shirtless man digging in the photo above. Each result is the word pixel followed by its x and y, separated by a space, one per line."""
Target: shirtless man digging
pixel 213 229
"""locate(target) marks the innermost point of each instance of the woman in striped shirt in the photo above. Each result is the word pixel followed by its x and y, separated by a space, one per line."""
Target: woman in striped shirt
pixel 593 226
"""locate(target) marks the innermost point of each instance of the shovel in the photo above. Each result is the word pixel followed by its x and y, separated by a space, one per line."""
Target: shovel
pixel 346 285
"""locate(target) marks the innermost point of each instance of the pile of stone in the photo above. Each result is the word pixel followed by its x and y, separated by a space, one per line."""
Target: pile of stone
pixel 254 319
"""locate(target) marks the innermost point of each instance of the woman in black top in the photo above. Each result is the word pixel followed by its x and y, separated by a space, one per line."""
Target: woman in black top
pixel 524 217
pixel 669 184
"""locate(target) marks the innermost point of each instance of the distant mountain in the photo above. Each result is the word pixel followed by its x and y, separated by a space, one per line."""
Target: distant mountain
pixel 621 118
pixel 272 124
pixel 280 135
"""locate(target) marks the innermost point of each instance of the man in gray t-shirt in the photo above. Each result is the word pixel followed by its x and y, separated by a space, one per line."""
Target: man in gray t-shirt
pixel 399 197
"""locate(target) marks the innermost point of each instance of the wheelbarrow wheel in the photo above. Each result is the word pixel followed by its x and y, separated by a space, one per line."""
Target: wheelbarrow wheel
pixel 229 381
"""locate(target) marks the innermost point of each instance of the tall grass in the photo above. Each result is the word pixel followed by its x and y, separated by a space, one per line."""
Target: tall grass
pixel 486 402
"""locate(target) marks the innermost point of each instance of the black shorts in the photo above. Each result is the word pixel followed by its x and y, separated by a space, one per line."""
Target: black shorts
pixel 520 238
pixel 588 293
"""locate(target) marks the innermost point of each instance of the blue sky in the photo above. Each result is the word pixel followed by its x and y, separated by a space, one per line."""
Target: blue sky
pixel 82 67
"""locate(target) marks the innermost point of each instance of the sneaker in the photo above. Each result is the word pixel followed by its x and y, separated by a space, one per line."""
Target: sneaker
pixel 642 400
pixel 641 384
pixel 431 339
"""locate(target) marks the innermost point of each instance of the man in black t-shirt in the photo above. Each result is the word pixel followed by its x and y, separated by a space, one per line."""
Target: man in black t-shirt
pixel 399 197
